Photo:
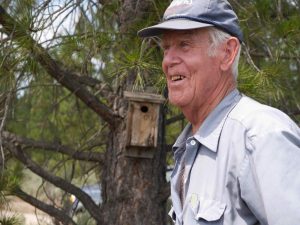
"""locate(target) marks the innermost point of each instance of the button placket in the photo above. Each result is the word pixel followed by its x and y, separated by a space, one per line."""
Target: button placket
pixel 191 151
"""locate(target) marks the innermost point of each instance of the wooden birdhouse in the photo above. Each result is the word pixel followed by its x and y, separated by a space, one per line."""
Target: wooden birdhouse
pixel 142 123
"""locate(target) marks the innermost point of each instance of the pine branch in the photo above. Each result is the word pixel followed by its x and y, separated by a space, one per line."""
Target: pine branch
pixel 168 148
pixel 294 113
pixel 86 200
pixel 49 209
pixel 262 55
pixel 65 77
pixel 175 119
pixel 4 104
pixel 53 147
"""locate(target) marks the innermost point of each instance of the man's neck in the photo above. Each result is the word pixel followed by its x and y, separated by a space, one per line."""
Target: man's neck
pixel 196 116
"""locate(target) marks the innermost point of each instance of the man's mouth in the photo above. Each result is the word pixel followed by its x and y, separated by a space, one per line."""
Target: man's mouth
pixel 177 77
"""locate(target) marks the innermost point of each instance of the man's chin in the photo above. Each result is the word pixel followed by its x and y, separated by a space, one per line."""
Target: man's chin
pixel 177 101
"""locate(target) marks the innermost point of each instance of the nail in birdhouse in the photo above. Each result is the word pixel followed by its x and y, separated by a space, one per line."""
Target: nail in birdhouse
pixel 142 123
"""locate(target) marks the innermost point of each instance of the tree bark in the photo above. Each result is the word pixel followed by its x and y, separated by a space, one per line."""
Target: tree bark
pixel 134 189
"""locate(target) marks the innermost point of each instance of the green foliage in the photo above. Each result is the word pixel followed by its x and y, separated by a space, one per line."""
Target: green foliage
pixel 269 69
pixel 11 220
pixel 142 62
pixel 44 110
pixel 262 85
pixel 9 180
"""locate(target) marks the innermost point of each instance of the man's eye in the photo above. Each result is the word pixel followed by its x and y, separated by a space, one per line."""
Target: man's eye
pixel 165 47
pixel 184 44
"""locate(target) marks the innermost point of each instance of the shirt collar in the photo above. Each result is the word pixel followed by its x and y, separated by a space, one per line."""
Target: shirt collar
pixel 180 142
pixel 210 130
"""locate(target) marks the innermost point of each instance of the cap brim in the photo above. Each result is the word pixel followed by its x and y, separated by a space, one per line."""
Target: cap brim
pixel 173 24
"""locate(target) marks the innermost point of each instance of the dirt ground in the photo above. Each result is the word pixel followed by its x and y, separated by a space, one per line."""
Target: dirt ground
pixel 26 212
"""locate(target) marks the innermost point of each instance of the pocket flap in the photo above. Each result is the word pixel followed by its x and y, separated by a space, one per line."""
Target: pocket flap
pixel 207 209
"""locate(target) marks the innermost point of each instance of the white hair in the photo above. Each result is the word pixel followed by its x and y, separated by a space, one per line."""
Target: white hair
pixel 217 37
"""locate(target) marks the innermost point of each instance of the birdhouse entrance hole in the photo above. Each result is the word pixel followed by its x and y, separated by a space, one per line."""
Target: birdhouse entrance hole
pixel 144 109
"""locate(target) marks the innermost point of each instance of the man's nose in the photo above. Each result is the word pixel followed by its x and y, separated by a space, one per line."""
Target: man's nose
pixel 171 58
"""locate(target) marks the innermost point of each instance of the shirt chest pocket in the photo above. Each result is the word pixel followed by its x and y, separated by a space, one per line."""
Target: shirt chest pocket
pixel 207 210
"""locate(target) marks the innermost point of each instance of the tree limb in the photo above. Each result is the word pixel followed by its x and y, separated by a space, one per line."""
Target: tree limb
pixel 54 147
pixel 168 148
pixel 295 113
pixel 100 87
pixel 3 117
pixel 85 199
pixel 262 55
pixel 175 119
pixel 49 209
pixel 65 77
pixel 89 81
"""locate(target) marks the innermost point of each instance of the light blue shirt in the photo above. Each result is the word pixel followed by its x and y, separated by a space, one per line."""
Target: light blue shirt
pixel 242 167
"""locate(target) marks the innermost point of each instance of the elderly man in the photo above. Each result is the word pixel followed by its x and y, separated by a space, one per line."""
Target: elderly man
pixel 237 161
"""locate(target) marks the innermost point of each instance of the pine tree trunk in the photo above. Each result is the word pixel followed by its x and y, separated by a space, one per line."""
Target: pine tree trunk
pixel 133 188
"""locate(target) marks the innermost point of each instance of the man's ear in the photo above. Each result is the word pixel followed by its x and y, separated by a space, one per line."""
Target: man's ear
pixel 230 50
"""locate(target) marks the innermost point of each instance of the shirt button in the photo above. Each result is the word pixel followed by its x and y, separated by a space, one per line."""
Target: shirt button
pixel 193 142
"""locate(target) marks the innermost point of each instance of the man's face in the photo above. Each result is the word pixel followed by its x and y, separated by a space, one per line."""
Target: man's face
pixel 191 74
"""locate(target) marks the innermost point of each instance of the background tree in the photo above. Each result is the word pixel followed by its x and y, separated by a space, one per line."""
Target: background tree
pixel 64 67
pixel 68 104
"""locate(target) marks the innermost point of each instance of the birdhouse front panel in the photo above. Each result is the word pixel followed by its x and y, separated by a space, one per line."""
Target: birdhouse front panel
pixel 142 124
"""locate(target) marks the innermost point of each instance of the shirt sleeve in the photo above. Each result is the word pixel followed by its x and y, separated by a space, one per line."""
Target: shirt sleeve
pixel 270 179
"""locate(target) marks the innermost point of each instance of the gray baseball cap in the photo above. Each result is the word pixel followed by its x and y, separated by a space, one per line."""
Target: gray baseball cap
pixel 193 14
